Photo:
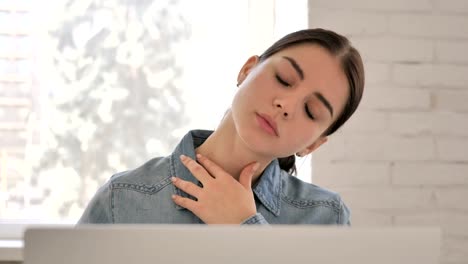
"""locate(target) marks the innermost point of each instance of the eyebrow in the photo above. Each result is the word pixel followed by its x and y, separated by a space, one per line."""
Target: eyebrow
pixel 295 66
pixel 325 102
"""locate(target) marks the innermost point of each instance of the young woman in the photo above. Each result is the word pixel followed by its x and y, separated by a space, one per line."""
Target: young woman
pixel 289 100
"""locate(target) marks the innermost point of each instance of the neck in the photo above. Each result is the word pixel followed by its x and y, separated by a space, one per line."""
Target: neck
pixel 225 148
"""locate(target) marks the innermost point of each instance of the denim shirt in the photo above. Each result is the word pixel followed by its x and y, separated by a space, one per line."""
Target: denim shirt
pixel 143 195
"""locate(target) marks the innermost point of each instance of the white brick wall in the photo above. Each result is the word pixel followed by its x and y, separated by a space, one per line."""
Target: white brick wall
pixel 395 5
pixel 449 51
pixel 428 25
pixel 381 49
pixel 396 98
pixel 458 6
pixel 455 101
pixel 429 74
pixel 429 123
pixel 402 159
pixel 435 174
pixel 453 149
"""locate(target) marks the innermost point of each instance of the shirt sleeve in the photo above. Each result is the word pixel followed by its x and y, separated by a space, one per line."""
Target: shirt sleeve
pixel 99 210
pixel 345 214
pixel 256 219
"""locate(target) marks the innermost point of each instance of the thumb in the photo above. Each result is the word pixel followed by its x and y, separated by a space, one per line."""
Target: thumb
pixel 247 173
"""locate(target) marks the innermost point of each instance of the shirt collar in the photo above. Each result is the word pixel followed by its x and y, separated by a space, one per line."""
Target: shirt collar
pixel 267 189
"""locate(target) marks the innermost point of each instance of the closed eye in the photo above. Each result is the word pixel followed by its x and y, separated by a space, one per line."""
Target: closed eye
pixel 309 114
pixel 283 82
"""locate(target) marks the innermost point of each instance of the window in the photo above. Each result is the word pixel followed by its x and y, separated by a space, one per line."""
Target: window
pixel 90 88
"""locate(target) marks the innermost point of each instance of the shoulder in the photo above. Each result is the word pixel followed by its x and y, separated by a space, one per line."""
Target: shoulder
pixel 307 196
pixel 148 178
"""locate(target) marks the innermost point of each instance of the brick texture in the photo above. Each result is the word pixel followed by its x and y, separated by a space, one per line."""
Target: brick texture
pixel 402 159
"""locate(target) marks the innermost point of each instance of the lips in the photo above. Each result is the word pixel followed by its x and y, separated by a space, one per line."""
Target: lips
pixel 268 124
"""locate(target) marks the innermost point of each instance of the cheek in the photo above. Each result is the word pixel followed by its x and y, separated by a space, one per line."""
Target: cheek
pixel 255 91
pixel 260 81
pixel 266 83
pixel 302 135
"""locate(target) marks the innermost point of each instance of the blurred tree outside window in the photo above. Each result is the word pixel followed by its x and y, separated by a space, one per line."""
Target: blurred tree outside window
pixel 89 88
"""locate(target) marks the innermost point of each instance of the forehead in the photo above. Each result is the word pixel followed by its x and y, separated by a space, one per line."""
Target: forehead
pixel 322 72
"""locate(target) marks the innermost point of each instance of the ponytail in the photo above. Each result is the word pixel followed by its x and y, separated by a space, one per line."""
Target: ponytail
pixel 288 164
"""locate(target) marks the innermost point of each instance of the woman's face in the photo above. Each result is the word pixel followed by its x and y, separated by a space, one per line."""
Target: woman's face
pixel 285 103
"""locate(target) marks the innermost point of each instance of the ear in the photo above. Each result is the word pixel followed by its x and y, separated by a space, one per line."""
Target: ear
pixel 320 141
pixel 245 70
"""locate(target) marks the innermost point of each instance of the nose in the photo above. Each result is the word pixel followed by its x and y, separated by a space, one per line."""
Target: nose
pixel 282 106
pixel 285 113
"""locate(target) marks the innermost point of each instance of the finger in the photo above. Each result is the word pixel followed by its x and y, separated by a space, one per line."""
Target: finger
pixel 187 187
pixel 213 168
pixel 186 203
pixel 247 173
pixel 196 169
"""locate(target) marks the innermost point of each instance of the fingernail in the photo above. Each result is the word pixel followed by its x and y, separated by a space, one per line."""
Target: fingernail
pixel 183 157
pixel 173 196
pixel 199 156
pixel 256 166
pixel 173 179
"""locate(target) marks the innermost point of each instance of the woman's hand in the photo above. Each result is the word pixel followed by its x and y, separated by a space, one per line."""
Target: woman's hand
pixel 222 199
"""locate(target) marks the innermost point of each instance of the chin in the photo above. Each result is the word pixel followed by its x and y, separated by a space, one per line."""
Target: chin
pixel 253 137
pixel 259 142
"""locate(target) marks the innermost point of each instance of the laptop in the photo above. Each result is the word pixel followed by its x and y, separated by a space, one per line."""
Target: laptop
pixel 124 244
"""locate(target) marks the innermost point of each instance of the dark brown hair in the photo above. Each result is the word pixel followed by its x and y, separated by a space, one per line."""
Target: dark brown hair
pixel 351 64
